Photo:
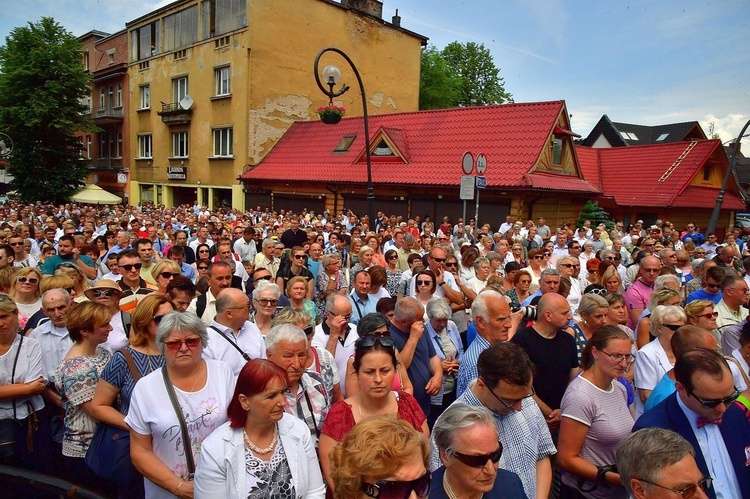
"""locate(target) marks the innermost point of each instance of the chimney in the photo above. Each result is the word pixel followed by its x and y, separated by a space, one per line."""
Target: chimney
pixel 371 7
pixel 396 20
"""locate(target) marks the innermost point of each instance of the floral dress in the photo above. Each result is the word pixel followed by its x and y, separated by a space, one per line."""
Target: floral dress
pixel 270 479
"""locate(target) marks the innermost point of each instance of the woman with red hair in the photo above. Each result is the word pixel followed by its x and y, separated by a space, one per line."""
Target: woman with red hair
pixel 271 450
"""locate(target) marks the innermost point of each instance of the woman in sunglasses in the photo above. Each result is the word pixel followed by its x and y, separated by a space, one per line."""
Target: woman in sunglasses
pixel 80 282
pixel 25 291
pixel 654 359
pixel 202 390
pixel 265 300
pixel 595 418
pixel 593 310
pixel 108 293
pixel 424 286
pixel 382 457
pixel 375 364
pixel 661 296
pixel 111 400
pixel 392 272
pixel 466 438
pixel 75 380
pixel 262 451
pixel 701 313
pixel 163 272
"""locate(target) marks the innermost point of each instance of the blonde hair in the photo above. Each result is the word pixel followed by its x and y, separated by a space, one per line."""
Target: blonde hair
pixel 74 270
pixel 143 315
pixel 7 278
pixel 25 272
pixel 695 307
pixel 86 316
pixel 376 448
pixel 56 282
pixel 165 264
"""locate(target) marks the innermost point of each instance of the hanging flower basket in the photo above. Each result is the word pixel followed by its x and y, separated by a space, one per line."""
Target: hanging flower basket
pixel 331 114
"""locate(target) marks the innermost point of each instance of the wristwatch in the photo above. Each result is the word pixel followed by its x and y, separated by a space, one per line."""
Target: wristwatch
pixel 601 472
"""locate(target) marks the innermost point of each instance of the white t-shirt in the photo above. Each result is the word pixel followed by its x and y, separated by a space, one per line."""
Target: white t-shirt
pixel 250 340
pixel 117 338
pixel 151 413
pixel 28 368
pixel 651 363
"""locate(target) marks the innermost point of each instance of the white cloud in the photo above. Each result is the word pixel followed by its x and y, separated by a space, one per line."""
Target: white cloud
pixel 728 126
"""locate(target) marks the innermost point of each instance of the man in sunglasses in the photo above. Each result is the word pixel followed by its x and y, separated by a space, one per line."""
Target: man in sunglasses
pixel 132 284
pixel 504 386
pixel 711 286
pixel 655 463
pixel 22 257
pixel 232 338
pixel 702 411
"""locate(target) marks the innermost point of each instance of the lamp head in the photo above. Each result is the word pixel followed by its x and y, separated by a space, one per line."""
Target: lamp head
pixel 331 75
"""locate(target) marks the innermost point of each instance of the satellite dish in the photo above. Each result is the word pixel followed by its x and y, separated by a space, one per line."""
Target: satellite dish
pixel 186 102
pixel 6 145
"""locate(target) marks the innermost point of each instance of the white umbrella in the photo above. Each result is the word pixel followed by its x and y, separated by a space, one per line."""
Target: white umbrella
pixel 93 194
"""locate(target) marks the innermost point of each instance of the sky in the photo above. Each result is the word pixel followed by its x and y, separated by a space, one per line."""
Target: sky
pixel 641 62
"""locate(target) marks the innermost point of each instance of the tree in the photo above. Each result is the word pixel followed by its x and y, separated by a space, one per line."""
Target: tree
pixel 465 74
pixel 41 81
pixel 438 86
pixel 592 212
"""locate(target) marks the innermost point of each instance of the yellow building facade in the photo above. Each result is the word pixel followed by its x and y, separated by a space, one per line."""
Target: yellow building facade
pixel 214 84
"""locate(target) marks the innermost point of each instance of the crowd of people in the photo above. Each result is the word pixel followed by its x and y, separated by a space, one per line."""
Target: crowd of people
pixel 259 354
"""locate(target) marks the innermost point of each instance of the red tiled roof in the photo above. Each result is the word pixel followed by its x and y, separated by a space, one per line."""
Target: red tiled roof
pixel 511 136
pixel 558 183
pixel 654 175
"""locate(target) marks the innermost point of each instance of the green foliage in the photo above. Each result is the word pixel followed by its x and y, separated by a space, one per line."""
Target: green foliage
pixel 460 75
pixel 596 215
pixel 41 81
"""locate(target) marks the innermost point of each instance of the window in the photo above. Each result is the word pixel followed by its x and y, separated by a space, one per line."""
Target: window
pixel 88 146
pixel 223 142
pixel 103 143
pixel 557 151
pixel 102 98
pixel 222 16
pixel 111 96
pixel 118 95
pixel 179 88
pixel 662 137
pixel 111 57
pixel 145 150
pixel 629 136
pixel 181 28
pixel 86 60
pixel 86 103
pixel 145 97
pixel 706 173
pixel 222 81
pixel 345 143
pixel 118 146
pixel 382 149
pixel 144 41
pixel 180 145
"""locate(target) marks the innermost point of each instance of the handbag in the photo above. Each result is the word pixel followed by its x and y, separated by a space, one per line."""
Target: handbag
pixel 9 427
pixel 108 456
pixel 189 460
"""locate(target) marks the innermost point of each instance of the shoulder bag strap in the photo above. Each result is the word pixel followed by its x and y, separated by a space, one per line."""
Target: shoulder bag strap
pixel 730 358
pixel 232 342
pixel 309 407
pixel 181 419
pixel 13 372
pixel 131 365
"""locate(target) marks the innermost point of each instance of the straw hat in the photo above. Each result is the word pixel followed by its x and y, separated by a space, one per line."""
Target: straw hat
pixel 102 284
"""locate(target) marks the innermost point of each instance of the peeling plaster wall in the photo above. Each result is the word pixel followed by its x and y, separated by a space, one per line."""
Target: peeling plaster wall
pixel 269 122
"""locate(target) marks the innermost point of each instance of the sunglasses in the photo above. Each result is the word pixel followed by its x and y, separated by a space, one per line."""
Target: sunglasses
pixel 202 267
pixel 673 327
pixel 300 257
pixel 30 280
pixel 689 491
pixel 478 461
pixel 98 293
pixel 16 244
pixel 391 489
pixel 711 403
pixel 570 266
pixel 131 266
pixel 309 330
pixel 710 315
pixel 203 251
pixel 264 302
pixel 369 341
pixel 538 257
pixel 600 292
pixel 177 344
pixel 157 319
pixel 438 260
pixel 264 278
pixel 169 275
pixel 393 257
pixel 424 283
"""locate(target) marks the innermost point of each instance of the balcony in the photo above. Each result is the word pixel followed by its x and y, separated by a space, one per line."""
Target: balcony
pixel 106 164
pixel 174 114
pixel 108 114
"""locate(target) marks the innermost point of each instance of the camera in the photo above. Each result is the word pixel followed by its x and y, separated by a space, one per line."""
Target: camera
pixel 528 313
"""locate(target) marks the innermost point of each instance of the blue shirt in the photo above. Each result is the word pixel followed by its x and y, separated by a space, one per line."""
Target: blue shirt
pixel 702 295
pixel 360 308
pixel 188 271
pixel 467 371
pixel 419 370
pixel 51 263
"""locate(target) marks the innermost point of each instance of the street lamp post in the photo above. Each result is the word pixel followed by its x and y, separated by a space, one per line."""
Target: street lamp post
pixel 720 198
pixel 331 75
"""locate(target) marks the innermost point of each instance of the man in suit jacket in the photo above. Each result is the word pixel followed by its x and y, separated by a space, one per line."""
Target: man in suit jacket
pixel 703 411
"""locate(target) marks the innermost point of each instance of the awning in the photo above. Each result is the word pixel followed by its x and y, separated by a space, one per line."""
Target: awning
pixel 93 194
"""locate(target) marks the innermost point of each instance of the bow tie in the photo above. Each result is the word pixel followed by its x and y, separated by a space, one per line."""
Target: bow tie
pixel 704 421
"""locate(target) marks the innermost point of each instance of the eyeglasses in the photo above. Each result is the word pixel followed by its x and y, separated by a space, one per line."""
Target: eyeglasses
pixel 347 317
pixel 424 283
pixel 17 244
pixel 673 327
pixel 264 278
pixel 438 260
pixel 264 302
pixel 131 266
pixel 711 403
pixel 507 405
pixel 524 281
pixel 247 306
pixel 106 293
pixel 177 344
pixel 393 257
pixel 570 266
pixel 202 267
pixel 300 257
pixel 712 286
pixel 741 290
pixel 709 315
pixel 203 251
pixel 538 257
pixel 391 489
pixel 618 357
pixel 369 341
pixel 157 319
pixel 279 248
pixel 309 330
pixel 30 280
pixel 652 271
pixel 597 291
pixel 480 460
pixel 169 275
pixel 689 491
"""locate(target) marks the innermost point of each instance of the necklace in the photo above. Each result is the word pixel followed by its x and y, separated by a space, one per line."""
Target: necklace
pixel 449 490
pixel 250 445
